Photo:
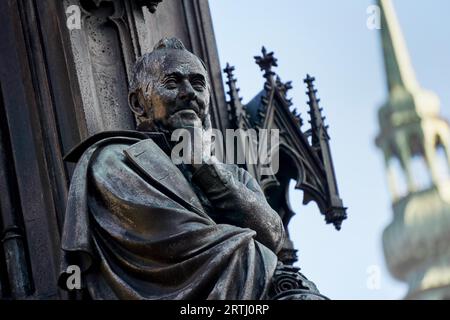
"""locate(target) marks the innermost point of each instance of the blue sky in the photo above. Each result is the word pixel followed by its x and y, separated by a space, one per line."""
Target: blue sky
pixel 329 39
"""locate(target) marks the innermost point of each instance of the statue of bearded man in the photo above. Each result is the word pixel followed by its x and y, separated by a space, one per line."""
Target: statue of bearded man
pixel 140 226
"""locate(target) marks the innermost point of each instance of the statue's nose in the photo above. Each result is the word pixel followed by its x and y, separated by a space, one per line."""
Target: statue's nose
pixel 187 92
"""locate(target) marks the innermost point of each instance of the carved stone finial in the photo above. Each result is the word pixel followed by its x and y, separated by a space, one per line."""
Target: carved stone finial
pixel 336 213
pixel 236 107
pixel 266 61
pixel 229 71
pixel 318 129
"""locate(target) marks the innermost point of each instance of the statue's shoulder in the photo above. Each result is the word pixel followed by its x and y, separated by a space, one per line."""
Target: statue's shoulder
pixel 108 140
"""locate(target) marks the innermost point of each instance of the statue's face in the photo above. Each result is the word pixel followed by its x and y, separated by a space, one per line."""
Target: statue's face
pixel 179 93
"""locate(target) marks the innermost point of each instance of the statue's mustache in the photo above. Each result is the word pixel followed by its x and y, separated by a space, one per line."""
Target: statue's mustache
pixel 187 105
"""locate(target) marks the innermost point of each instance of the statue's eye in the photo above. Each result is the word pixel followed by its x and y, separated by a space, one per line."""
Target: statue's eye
pixel 170 82
pixel 198 83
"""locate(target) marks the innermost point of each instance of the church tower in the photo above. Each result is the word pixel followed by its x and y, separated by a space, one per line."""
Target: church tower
pixel 415 141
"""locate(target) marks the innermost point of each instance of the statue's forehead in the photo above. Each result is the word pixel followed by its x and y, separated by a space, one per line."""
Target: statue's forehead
pixel 179 61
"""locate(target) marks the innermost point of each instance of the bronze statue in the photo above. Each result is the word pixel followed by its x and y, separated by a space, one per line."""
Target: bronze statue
pixel 141 227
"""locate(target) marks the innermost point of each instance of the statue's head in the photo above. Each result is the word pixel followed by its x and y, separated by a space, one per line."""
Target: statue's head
pixel 170 88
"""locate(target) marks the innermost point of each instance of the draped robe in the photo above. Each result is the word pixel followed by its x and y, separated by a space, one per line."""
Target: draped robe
pixel 138 230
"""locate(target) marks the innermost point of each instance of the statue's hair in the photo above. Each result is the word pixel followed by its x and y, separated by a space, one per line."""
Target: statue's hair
pixel 141 72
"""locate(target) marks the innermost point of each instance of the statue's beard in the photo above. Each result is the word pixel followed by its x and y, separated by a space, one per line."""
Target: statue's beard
pixel 150 125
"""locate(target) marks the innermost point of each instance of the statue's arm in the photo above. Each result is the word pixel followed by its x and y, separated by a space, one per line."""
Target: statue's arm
pixel 238 200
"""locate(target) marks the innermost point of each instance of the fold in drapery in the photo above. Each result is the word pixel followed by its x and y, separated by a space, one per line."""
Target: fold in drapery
pixel 135 240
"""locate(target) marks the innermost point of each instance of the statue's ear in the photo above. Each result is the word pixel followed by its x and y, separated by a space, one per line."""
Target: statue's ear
pixel 135 104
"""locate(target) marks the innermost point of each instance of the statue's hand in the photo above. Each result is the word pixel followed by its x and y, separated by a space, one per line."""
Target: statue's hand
pixel 197 146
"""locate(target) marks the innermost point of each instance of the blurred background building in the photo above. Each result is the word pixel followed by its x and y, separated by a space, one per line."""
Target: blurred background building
pixel 415 141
